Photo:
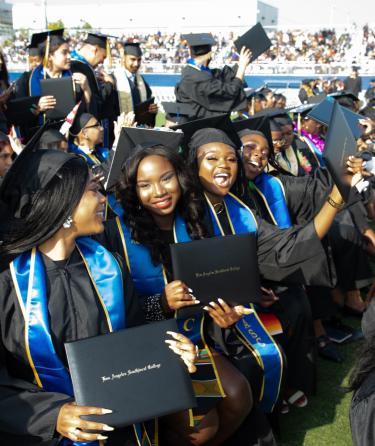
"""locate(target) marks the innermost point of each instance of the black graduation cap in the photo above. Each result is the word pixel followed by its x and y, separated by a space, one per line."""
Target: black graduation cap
pixel 200 43
pixel 344 94
pixel 133 139
pixel 260 124
pixel 178 112
pixel 323 114
pixel 133 49
pixel 255 40
pixel 220 122
pixel 80 121
pixel 52 135
pixel 302 109
pixel 339 145
pixel 97 39
pixel 4 137
pixel 316 99
pixel 39 38
pixel 32 170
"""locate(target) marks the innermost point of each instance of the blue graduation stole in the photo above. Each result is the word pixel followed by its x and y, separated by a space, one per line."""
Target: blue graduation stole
pixel 272 192
pixel 104 122
pixel 250 330
pixel 36 76
pixel 29 281
pixel 193 63
pixel 101 154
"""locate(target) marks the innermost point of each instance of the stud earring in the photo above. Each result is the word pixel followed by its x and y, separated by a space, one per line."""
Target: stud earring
pixel 68 222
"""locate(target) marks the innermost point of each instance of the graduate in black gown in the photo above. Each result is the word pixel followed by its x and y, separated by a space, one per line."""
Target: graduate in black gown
pixel 302 198
pixel 57 63
pixel 50 204
pixel 362 383
pixel 211 91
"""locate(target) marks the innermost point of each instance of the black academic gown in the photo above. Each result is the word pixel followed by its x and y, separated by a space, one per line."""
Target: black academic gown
pixel 28 414
pixel 99 91
pixel 211 94
pixel 30 122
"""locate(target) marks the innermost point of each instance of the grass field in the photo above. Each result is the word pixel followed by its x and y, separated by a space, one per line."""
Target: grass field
pixel 325 421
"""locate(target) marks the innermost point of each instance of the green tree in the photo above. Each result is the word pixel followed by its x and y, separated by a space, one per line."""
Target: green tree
pixel 56 25
pixel 86 26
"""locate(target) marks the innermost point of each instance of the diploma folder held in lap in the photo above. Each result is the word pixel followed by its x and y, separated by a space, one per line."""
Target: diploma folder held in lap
pixel 219 267
pixel 133 372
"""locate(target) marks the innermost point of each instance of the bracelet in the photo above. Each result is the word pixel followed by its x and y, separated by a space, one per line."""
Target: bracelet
pixel 333 203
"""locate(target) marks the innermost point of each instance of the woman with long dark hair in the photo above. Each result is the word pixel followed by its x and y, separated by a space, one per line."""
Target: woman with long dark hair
pixel 156 193
pixel 5 92
pixel 50 207
pixel 56 63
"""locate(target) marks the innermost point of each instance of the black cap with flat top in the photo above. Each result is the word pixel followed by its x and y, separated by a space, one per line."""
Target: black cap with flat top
pixel 259 124
pixel 178 112
pixel 200 43
pixel 133 139
pixel 340 144
pixel 97 39
pixel 255 40
pixel 220 122
pixel 39 38
pixel 133 49
pixel 323 113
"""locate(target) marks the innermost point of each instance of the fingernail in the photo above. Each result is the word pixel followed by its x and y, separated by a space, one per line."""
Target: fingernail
pixel 107 411
pixel 169 341
pixel 221 301
pixel 102 437
pixel 206 308
pixel 190 290
pixel 212 303
pixel 197 301
pixel 108 428
pixel 172 333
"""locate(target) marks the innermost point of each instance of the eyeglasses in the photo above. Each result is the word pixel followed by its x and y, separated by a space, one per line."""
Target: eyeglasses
pixel 93 126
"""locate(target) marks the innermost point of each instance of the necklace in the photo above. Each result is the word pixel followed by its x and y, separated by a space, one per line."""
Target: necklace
pixel 219 207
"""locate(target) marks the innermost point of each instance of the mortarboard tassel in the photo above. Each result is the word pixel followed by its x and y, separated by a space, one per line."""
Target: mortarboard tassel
pixel 46 55
pixel 64 129
pixel 109 55
pixel 299 125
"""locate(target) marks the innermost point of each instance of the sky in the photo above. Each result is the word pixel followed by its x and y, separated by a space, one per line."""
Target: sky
pixel 292 13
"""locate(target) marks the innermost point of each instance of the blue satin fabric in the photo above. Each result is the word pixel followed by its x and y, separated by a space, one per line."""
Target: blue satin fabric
pixel 271 359
pixel 106 275
pixel 194 63
pixel 243 222
pixel 148 278
pixel 274 195
pixel 241 217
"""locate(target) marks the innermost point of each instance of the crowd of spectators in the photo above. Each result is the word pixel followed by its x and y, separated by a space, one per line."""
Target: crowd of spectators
pixel 300 46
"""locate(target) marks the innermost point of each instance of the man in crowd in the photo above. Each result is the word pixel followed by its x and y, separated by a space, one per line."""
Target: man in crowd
pixel 131 86
pixel 211 92
pixel 353 83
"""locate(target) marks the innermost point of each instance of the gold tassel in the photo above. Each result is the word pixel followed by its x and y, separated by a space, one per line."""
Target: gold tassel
pixel 109 55
pixel 46 54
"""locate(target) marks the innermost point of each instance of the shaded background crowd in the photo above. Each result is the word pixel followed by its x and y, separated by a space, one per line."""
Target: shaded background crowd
pixel 298 45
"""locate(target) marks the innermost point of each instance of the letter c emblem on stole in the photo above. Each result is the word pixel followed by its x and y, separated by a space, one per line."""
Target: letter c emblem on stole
pixel 189 324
